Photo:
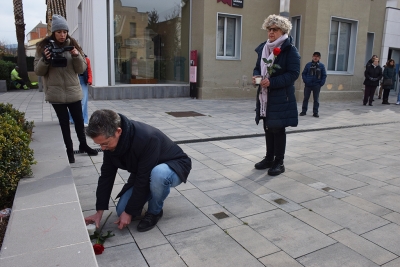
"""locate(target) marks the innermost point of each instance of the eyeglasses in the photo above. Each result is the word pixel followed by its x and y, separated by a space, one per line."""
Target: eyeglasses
pixel 105 144
pixel 273 29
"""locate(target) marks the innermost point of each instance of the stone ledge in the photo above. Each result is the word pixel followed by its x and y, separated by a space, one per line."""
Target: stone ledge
pixel 46 227
pixel 3 86
pixel 139 91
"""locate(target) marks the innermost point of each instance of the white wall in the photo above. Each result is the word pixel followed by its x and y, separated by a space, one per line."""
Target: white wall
pixel 87 22
pixel 391 33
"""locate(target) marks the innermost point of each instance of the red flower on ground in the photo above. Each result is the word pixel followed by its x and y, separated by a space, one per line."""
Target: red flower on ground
pixel 276 51
pixel 98 249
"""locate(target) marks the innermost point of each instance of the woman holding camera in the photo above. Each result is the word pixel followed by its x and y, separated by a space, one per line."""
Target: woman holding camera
pixel 60 81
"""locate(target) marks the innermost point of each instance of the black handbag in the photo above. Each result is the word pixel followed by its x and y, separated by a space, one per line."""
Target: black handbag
pixel 387 82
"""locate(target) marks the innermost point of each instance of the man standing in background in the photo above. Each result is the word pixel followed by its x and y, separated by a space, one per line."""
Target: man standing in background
pixel 314 76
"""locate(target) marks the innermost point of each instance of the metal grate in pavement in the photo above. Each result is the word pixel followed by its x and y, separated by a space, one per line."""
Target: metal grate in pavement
pixel 220 215
pixel 78 152
pixel 182 114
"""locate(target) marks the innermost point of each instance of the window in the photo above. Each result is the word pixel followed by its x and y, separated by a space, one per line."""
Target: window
pixel 133 29
pixel 295 33
pixel 342 45
pixel 229 35
pixel 370 46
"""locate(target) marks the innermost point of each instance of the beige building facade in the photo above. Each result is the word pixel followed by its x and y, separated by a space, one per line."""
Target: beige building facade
pixel 141 49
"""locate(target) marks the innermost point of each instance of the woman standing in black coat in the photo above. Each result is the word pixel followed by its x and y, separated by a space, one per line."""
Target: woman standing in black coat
pixel 373 73
pixel 276 101
pixel 389 73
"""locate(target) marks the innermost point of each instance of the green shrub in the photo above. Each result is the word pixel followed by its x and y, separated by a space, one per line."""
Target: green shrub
pixel 5 71
pixel 16 157
pixel 18 116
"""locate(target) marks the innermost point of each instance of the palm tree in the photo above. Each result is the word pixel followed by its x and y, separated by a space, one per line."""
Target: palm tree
pixel 54 7
pixel 20 31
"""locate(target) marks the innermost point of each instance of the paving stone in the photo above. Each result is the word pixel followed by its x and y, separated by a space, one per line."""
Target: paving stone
pixel 230 174
pixel 366 248
pixel 163 255
pixel 209 180
pixel 180 215
pixel 87 197
pixel 252 241
pixel 334 192
pixel 224 223
pixel 210 246
pixel 127 255
pixel 382 174
pixel 329 257
pixel 393 217
pixel 298 177
pixel 288 233
pixel 333 179
pixel 279 259
pixel 368 180
pixel 293 190
pixel 253 187
pixel 148 239
pixel 198 198
pixel 86 171
pixel 366 205
pixel 394 263
pixel 286 204
pixel 378 196
pixel 346 215
pixel 239 201
pixel 318 222
pixel 387 237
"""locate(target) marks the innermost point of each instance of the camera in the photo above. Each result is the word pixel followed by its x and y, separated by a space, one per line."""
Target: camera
pixel 56 57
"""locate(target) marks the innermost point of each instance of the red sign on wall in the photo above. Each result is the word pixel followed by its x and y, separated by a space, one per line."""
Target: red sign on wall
pixel 228 2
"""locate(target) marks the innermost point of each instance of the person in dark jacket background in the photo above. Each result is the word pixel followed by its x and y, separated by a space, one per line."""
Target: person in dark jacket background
pixel 277 90
pixel 373 73
pixel 314 76
pixel 388 73
pixel 154 161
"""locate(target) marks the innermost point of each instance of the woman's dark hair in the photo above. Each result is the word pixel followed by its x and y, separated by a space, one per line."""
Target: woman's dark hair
pixel 388 63
pixel 41 45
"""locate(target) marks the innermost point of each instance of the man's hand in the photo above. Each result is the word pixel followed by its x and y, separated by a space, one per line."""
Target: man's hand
pixel 95 218
pixel 123 220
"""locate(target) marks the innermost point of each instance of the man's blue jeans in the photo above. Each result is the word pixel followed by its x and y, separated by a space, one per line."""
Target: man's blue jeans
pixel 307 93
pixel 162 178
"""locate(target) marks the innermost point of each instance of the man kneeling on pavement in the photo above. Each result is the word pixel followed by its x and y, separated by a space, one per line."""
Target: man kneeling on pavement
pixel 154 161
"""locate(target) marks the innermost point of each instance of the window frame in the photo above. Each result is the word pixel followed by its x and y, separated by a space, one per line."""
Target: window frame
pixel 352 46
pixel 238 36
pixel 296 34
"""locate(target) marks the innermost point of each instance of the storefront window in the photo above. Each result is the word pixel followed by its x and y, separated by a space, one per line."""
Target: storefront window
pixel 151 41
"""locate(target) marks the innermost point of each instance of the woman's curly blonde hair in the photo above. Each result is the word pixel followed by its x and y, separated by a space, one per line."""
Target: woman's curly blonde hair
pixel 281 22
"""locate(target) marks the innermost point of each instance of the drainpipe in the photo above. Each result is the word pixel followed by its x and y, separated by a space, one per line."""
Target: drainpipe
pixel 284 8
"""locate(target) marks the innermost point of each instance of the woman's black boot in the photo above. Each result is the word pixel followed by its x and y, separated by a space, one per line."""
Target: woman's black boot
pixel 70 154
pixel 85 148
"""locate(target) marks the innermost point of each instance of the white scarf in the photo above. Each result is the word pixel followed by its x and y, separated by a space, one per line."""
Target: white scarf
pixel 269 55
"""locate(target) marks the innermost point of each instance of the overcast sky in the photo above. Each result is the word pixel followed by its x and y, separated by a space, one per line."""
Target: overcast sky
pixel 34 12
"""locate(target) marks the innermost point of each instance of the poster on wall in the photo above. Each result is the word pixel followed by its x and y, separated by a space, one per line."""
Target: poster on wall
pixel 232 3
pixel 237 3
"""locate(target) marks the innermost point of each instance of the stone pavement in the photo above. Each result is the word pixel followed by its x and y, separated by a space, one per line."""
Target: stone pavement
pixel 337 204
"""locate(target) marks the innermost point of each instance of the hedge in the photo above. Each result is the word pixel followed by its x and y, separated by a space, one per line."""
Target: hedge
pixel 16 157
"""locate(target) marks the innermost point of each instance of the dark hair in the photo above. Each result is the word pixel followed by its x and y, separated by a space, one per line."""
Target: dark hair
pixel 40 45
pixel 388 63
pixel 318 54
pixel 103 122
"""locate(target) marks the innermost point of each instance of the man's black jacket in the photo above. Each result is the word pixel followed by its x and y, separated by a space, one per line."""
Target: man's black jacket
pixel 140 148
